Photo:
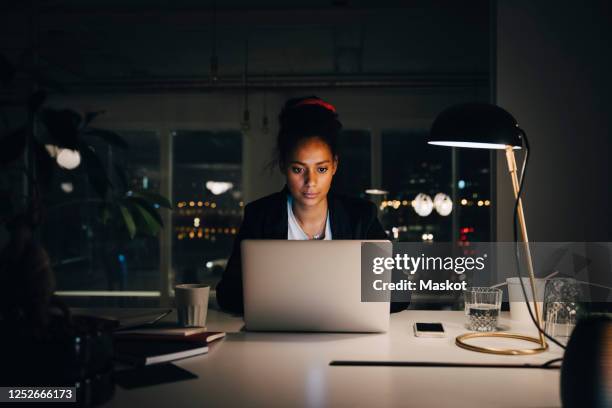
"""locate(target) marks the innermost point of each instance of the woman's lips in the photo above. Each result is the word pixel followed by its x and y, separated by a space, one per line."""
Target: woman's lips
pixel 310 195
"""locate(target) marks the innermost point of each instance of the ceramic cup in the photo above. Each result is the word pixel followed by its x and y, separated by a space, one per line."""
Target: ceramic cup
pixel 192 304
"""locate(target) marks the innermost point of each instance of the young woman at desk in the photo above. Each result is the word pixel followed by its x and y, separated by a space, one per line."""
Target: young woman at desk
pixel 307 155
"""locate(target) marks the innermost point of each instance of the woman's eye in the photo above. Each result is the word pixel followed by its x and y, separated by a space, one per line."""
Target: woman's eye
pixel 297 170
pixel 322 169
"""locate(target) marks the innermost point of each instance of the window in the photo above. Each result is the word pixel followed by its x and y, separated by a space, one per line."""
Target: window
pixel 474 201
pixel 88 255
pixel 207 195
pixel 411 167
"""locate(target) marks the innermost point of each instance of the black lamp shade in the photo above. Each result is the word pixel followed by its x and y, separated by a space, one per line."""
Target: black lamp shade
pixel 476 125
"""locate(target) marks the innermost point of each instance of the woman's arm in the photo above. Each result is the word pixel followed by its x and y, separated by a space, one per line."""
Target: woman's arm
pixel 229 289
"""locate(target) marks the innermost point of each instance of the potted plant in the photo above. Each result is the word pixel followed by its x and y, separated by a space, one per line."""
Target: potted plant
pixel 35 324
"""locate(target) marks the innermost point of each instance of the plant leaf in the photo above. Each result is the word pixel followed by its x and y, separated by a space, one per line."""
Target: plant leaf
pixel 13 145
pixel 62 126
pixel 106 214
pixel 96 172
pixel 147 206
pixel 154 198
pixel 129 220
pixel 109 137
pixel 150 224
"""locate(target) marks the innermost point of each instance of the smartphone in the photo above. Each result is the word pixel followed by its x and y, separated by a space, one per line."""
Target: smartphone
pixel 429 330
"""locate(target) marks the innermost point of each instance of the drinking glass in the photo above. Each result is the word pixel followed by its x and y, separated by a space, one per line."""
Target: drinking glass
pixel 482 306
pixel 561 306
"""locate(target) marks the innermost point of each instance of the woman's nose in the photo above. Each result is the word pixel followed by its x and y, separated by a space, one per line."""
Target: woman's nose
pixel 310 179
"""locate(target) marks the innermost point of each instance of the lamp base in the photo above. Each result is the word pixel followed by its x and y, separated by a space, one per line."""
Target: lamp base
pixel 459 341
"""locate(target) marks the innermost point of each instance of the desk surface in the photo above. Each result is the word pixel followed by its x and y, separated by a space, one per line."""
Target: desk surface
pixel 292 369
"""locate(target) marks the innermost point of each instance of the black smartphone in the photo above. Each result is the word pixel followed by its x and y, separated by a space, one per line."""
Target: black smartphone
pixel 429 330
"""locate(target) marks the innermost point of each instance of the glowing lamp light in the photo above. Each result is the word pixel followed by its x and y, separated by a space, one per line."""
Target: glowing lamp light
pixel 443 204
pixel 472 145
pixel 68 159
pixel 219 187
pixel 422 204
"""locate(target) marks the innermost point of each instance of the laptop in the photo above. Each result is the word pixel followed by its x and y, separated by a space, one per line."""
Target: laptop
pixel 308 286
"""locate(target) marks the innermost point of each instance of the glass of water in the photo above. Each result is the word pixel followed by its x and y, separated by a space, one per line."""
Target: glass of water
pixel 482 306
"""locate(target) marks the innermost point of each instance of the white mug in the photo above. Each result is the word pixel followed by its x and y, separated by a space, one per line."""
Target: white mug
pixel 518 308
pixel 192 304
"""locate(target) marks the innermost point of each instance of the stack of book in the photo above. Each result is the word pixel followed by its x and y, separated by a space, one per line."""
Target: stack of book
pixel 162 343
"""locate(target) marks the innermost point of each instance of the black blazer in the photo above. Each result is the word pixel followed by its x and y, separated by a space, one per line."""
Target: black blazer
pixel 266 218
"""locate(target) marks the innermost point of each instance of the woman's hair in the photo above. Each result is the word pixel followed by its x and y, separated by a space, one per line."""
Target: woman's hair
pixel 303 118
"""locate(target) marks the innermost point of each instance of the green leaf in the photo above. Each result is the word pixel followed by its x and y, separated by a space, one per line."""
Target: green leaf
pixel 154 198
pixel 149 208
pixel 109 137
pixel 129 220
pixel 12 146
pixel 106 214
pixel 151 225
pixel 96 173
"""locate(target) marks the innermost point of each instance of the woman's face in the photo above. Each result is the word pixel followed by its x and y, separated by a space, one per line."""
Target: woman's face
pixel 310 170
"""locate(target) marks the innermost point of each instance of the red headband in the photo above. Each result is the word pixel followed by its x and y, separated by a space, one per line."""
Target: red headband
pixel 313 101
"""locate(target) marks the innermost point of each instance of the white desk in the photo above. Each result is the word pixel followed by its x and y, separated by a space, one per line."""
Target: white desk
pixel 290 369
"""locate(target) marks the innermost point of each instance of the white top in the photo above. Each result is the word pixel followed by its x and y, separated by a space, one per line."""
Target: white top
pixel 294 231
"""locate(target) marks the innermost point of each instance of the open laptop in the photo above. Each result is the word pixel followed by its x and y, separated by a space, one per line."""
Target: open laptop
pixel 308 286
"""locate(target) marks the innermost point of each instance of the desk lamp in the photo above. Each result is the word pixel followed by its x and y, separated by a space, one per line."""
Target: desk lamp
pixel 486 126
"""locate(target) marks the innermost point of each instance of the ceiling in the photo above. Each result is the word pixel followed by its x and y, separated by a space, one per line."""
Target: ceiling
pixel 101 41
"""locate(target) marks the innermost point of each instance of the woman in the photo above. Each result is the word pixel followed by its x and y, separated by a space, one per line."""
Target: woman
pixel 305 209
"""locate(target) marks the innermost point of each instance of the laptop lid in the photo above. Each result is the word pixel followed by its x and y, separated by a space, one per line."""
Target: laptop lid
pixel 308 286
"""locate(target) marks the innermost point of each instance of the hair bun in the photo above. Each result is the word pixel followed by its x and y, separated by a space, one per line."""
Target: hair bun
pixel 303 118
pixel 307 112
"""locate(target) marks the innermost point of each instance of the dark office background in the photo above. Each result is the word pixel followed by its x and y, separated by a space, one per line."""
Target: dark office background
pixel 388 66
